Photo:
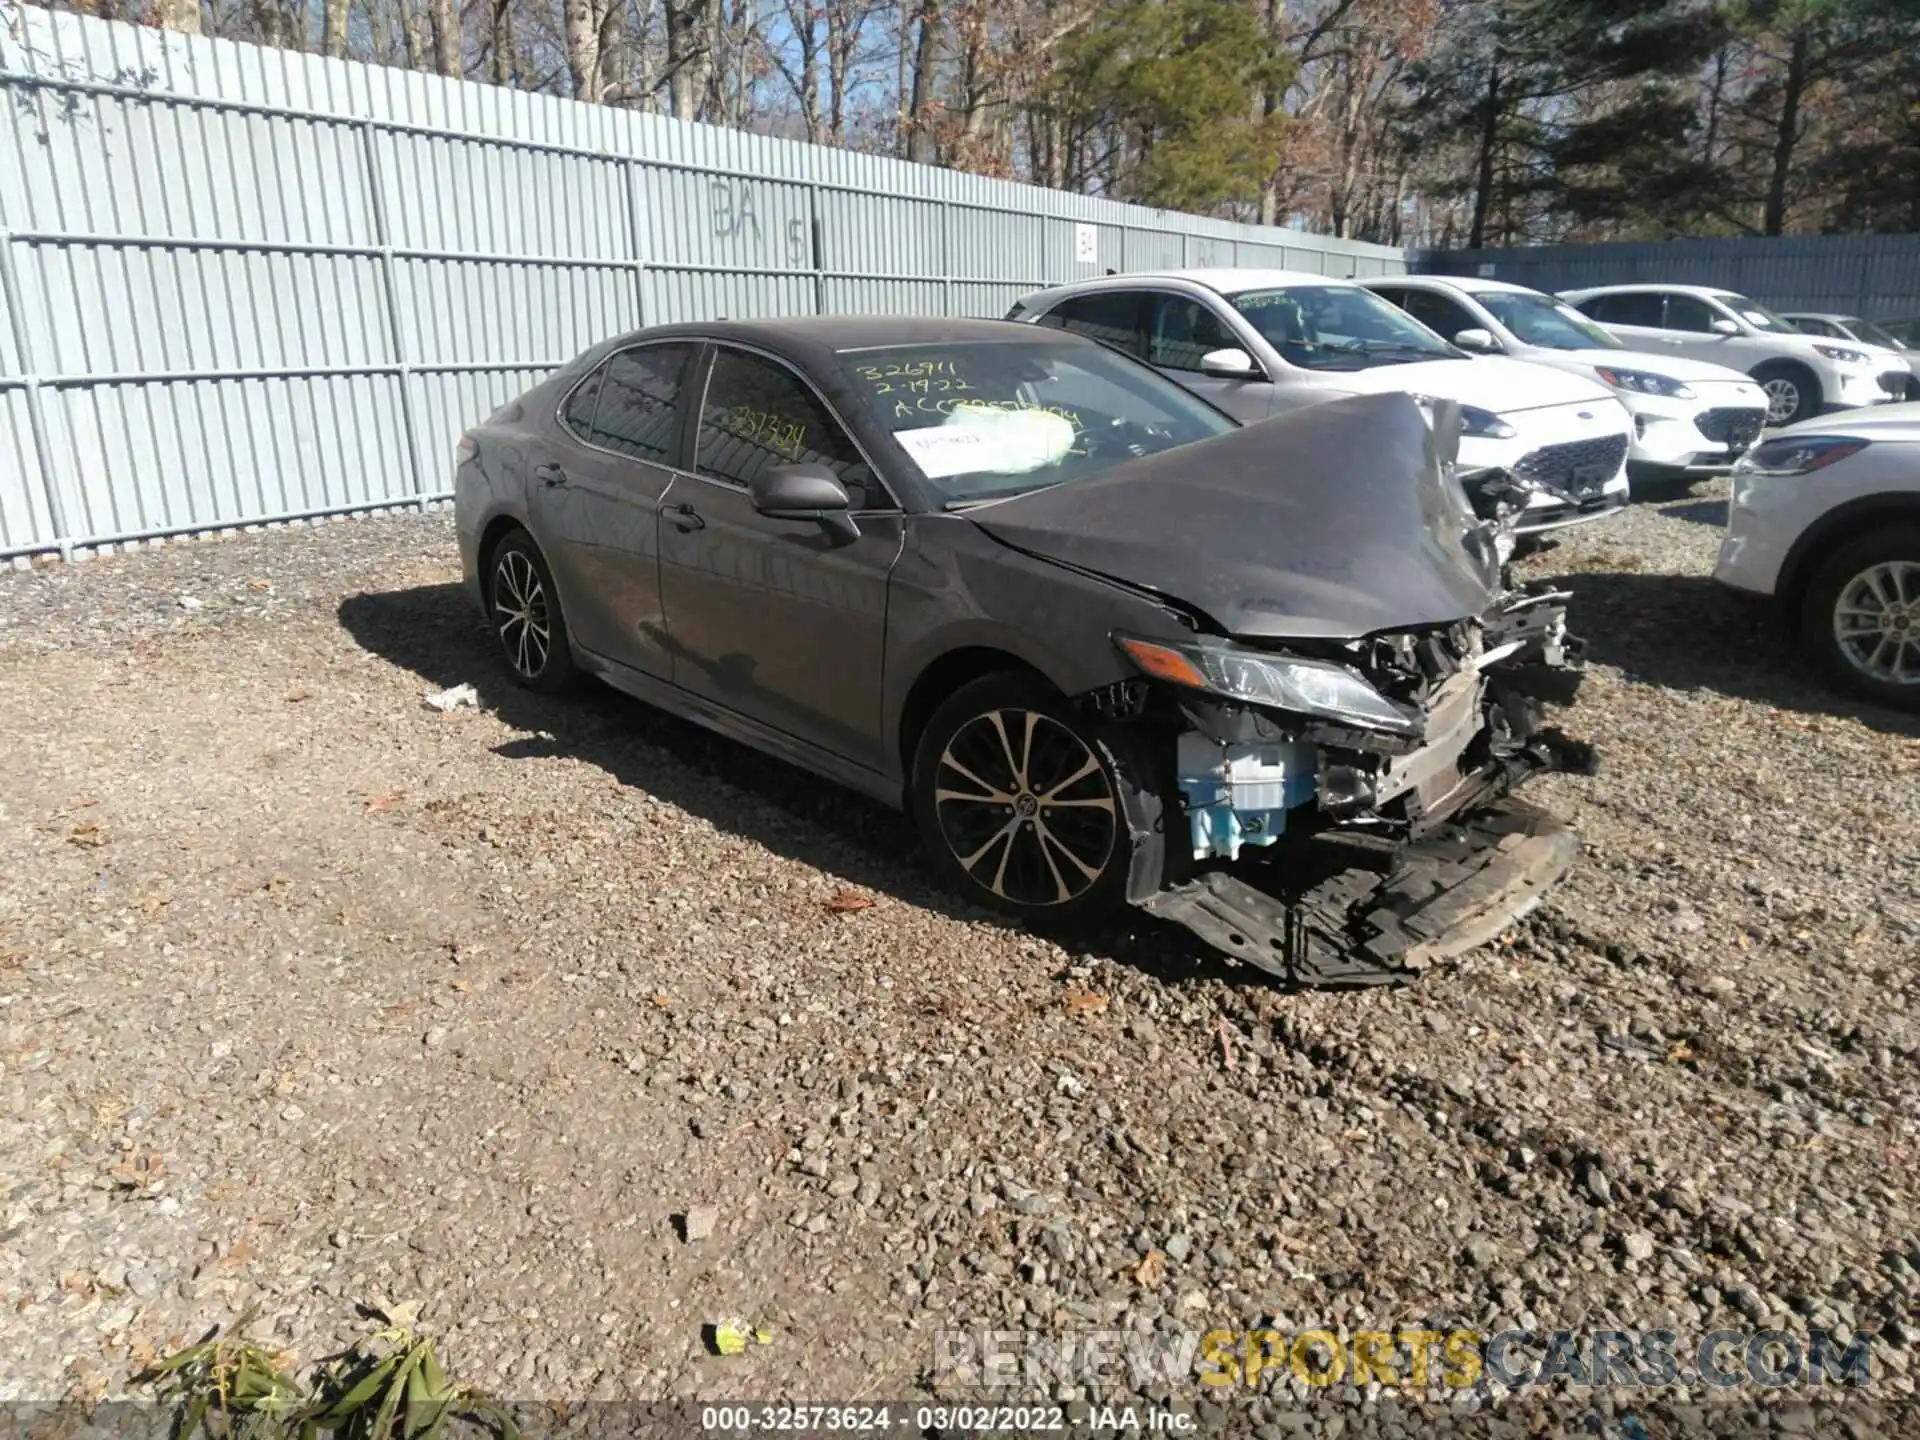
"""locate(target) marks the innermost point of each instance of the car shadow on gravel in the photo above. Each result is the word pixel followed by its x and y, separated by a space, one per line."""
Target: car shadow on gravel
pixel 1686 632
pixel 1712 513
pixel 432 631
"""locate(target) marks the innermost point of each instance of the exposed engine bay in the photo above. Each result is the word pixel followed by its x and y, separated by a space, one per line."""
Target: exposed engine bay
pixel 1351 824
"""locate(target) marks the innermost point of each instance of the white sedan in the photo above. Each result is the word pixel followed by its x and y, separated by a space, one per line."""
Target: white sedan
pixel 1825 519
pixel 1690 418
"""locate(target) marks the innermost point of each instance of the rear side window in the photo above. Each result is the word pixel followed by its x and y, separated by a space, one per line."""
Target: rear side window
pixel 639 412
pixel 1636 308
pixel 1183 331
pixel 1112 316
pixel 577 413
pixel 759 414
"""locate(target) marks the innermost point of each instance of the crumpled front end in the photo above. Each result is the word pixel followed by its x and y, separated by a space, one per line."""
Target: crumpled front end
pixel 1347 808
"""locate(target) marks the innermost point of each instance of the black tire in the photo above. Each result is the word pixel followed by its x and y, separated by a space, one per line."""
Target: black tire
pixel 1843 594
pixel 1065 862
pixel 524 608
pixel 1779 378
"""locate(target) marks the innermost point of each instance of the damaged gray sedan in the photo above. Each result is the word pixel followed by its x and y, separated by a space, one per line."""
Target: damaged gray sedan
pixel 1107 646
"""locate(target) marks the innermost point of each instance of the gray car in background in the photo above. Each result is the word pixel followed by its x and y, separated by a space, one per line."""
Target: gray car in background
pixel 1100 640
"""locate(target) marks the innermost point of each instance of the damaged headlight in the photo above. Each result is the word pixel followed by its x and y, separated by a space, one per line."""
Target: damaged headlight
pixel 1286 682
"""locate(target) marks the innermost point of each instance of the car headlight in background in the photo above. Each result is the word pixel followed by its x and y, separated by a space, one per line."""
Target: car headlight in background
pixel 1484 424
pixel 1644 382
pixel 1842 354
pixel 1312 687
pixel 1797 455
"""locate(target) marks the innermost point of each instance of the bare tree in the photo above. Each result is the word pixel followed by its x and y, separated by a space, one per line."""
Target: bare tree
pixel 181 15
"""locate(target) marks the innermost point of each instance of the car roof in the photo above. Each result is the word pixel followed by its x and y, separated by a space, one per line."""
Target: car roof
pixel 1223 279
pixel 1704 291
pixel 855 332
pixel 1466 284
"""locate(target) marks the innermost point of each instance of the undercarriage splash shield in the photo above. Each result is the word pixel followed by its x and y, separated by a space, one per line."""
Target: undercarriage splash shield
pixel 1442 895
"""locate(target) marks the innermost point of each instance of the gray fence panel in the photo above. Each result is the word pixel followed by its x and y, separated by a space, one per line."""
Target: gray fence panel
pixel 240 284
pixel 1873 275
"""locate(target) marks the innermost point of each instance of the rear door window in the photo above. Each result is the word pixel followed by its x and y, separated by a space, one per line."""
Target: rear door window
pixel 1639 307
pixel 639 412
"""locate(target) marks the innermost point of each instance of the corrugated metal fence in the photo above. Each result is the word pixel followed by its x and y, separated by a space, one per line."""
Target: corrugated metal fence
pixel 242 284
pixel 1877 276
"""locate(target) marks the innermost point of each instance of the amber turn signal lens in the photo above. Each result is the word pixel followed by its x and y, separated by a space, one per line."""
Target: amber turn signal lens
pixel 1164 664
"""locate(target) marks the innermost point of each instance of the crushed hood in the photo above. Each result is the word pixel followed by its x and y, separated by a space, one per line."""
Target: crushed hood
pixel 1333 522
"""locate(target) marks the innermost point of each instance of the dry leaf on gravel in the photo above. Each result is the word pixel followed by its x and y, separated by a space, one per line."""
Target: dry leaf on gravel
pixel 88 834
pixel 384 802
pixel 1086 1002
pixel 847 902
pixel 1151 1270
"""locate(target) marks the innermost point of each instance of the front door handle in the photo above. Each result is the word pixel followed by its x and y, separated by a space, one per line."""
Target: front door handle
pixel 549 474
pixel 686 517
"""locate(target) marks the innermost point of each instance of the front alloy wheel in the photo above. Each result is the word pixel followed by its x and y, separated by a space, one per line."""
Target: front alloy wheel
pixel 1783 400
pixel 1861 616
pixel 1876 623
pixel 1031 808
pixel 1024 807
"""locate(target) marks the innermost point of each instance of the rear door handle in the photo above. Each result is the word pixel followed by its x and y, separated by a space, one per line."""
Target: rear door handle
pixel 686 517
pixel 550 474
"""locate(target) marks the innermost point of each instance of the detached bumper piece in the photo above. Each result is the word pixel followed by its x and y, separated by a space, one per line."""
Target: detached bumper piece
pixel 1440 896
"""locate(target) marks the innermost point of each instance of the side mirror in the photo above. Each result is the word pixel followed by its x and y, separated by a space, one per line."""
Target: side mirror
pixel 803 492
pixel 1476 339
pixel 1723 326
pixel 797 492
pixel 1229 364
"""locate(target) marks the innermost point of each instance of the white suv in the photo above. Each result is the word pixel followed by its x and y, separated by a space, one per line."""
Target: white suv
pixel 1825 519
pixel 1802 374
pixel 1690 418
pixel 1260 342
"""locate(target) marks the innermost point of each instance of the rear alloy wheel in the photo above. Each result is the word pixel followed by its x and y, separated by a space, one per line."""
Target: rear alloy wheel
pixel 525 609
pixel 1792 393
pixel 1862 617
pixel 1023 804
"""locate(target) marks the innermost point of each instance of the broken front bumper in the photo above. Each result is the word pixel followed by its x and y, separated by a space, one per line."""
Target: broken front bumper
pixel 1455 888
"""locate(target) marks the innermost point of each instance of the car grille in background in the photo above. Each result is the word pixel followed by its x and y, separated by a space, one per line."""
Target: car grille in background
pixel 1590 462
pixel 1894 382
pixel 1731 425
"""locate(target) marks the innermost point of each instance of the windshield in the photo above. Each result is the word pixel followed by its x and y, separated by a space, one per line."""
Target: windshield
pixel 1875 334
pixel 1906 332
pixel 1544 321
pixel 990 419
pixel 1755 314
pixel 1339 327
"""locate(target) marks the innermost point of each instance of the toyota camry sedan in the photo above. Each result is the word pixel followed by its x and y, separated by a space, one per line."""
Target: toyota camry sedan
pixel 1107 646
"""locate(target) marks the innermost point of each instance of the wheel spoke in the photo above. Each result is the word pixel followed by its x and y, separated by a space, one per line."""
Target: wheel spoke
pixel 988 795
pixel 1015 771
pixel 967 862
pixel 1048 838
pixel 1090 767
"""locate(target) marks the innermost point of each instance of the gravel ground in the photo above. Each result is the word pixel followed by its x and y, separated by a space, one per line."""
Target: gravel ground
pixel 585 1029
